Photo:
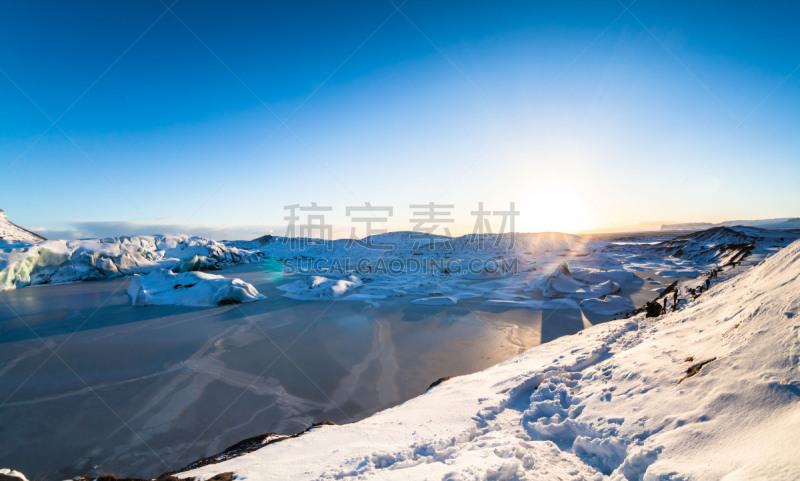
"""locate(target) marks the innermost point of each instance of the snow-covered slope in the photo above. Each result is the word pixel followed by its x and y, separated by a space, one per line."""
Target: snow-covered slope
pixel 711 391
pixel 724 245
pixel 12 232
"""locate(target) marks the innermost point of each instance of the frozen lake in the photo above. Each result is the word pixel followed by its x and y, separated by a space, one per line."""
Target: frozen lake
pixel 90 384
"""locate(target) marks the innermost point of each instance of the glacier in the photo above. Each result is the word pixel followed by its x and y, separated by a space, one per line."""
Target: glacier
pixel 60 261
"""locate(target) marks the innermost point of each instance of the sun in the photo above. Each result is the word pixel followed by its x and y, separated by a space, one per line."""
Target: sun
pixel 559 209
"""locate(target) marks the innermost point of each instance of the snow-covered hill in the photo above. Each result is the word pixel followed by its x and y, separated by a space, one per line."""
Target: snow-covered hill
pixel 711 391
pixel 779 223
pixel 12 232
pixel 726 245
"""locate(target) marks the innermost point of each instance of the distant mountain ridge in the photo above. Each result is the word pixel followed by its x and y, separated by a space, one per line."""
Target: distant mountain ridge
pixel 12 232
pixel 779 223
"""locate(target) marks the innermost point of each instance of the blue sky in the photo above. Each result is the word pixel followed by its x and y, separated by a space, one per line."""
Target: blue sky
pixel 210 117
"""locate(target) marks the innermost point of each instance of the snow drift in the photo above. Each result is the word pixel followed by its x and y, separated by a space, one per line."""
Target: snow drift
pixel 189 289
pixel 708 392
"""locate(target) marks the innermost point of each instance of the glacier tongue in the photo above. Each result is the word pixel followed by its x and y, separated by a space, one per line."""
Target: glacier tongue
pixel 58 262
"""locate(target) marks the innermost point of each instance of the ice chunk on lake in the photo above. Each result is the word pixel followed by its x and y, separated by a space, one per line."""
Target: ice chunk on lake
pixel 58 262
pixel 436 301
pixel 189 289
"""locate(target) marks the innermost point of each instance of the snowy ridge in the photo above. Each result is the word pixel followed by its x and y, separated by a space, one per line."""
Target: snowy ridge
pixel 779 223
pixel 12 232
pixel 708 392
pixel 725 245
pixel 54 262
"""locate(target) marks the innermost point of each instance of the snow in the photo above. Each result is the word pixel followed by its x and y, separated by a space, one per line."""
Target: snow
pixel 11 472
pixel 723 245
pixel 532 303
pixel 561 283
pixel 522 270
pixel 57 262
pixel 428 266
pixel 536 271
pixel 189 289
pixel 706 392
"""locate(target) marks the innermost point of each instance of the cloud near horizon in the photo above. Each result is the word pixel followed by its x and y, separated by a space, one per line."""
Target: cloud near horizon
pixel 100 229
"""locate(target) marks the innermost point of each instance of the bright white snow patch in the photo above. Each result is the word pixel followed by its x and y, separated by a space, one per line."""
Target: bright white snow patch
pixel 711 391
pixel 189 289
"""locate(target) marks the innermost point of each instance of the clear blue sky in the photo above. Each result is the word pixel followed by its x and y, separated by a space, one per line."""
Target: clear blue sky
pixel 582 113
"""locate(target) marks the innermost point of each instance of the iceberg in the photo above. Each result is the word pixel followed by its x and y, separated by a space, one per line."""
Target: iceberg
pixel 189 289
pixel 562 283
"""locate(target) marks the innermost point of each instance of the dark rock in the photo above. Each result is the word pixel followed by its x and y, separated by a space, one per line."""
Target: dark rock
pixel 437 382
pixel 653 309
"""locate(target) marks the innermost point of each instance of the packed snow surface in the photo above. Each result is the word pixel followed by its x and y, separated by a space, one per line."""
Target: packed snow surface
pixel 57 262
pixel 710 391
pixel 189 289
